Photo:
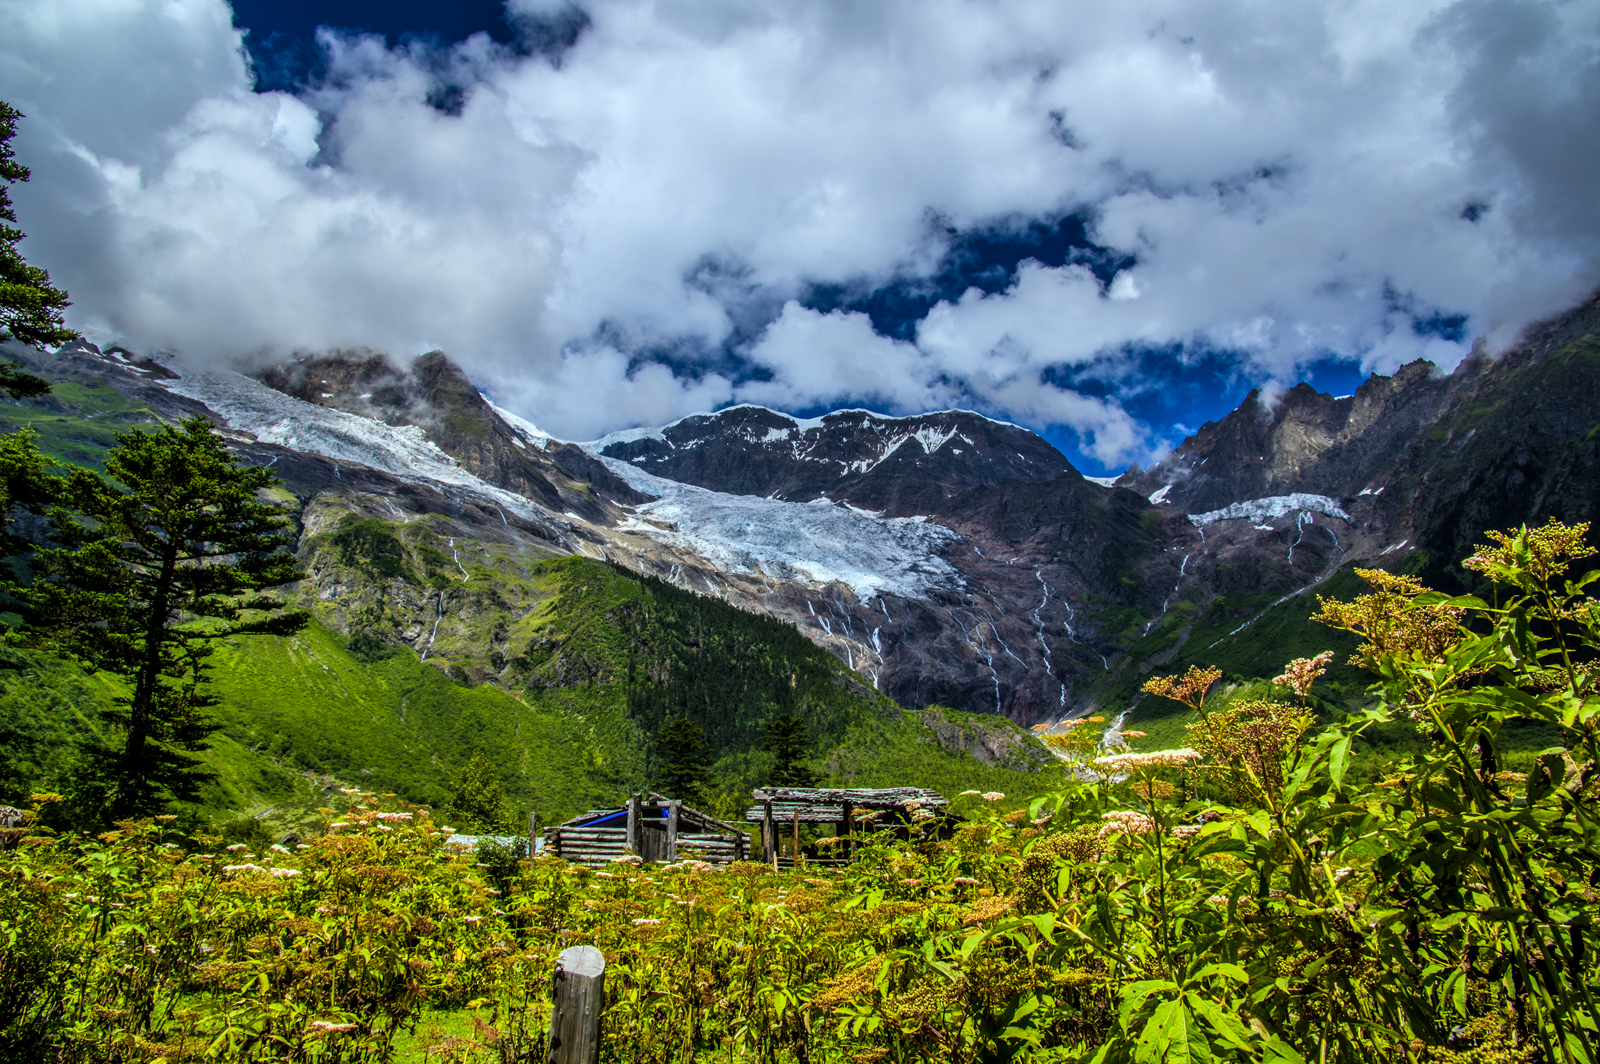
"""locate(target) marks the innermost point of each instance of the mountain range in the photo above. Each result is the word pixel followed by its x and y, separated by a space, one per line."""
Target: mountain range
pixel 944 558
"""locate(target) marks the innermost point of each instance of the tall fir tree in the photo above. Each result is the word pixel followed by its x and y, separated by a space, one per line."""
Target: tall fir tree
pixel 478 804
pixel 789 743
pixel 160 559
pixel 685 760
pixel 30 307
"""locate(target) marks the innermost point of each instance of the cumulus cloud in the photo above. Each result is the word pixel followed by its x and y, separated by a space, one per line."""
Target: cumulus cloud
pixel 1293 182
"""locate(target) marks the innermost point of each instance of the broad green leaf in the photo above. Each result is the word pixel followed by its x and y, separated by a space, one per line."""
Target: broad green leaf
pixel 1134 996
pixel 1224 969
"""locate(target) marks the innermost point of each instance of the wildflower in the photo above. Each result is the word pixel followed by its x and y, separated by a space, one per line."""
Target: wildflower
pixel 965 794
pixel 966 881
pixel 450 830
pixel 645 920
pixel 1126 822
pixel 1299 674
pixel 993 796
pixel 1190 688
pixel 911 882
pixel 243 868
pixel 1043 820
pixel 394 816
pixel 1154 759
pixel 1184 831
pixel 324 1025
pixel 631 858
pixel 279 848
pixel 1133 734
pixel 284 871
pixel 340 824
pixel 237 846
pixel 472 919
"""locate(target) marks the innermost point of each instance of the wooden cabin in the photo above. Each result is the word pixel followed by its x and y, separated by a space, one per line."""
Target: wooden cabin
pixel 650 827
pixel 781 812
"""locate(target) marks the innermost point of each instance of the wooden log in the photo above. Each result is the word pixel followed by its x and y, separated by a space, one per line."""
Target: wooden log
pixel 633 822
pixel 578 998
pixel 849 828
pixel 674 807
pixel 795 849
pixel 769 841
pixel 860 797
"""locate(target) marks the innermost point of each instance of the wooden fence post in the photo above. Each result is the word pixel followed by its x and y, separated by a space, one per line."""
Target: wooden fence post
pixel 849 829
pixel 633 823
pixel 577 999
pixel 672 828
pixel 769 834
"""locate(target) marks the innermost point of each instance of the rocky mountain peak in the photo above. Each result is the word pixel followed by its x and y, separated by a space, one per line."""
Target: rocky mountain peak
pixel 896 466
pixel 436 396
pixel 1299 440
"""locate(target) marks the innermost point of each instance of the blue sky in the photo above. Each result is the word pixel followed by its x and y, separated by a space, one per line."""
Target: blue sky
pixel 1107 223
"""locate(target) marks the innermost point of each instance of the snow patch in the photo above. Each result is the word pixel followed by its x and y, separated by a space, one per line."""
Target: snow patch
pixel 1258 511
pixel 1104 482
pixel 523 427
pixel 1158 497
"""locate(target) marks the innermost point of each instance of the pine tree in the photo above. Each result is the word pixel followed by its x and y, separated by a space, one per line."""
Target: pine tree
pixel 478 804
pixel 30 307
pixel 26 485
pixel 174 555
pixel 788 743
pixel 685 760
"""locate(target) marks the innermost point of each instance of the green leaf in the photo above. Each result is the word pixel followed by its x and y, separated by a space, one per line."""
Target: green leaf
pixel 1134 996
pixel 1338 760
pixel 1225 1023
pixel 1224 969
pixel 1277 1052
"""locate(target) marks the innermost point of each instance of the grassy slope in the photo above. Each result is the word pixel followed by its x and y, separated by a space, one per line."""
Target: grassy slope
pixel 398 724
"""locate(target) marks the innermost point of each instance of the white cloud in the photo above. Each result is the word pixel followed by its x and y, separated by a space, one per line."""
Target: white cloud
pixel 1285 173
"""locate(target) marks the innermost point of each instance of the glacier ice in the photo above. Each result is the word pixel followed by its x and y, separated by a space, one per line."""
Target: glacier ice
pixel 1258 511
pixel 816 542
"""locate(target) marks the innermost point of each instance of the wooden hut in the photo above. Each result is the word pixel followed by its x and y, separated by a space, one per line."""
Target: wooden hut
pixel 782 810
pixel 651 827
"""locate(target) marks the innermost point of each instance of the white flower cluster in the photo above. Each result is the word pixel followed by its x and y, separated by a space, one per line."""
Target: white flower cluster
pixel 1154 759
pixel 1126 822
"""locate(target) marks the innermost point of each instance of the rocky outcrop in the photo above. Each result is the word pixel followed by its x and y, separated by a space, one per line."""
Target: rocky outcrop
pixel 436 396
pixel 993 741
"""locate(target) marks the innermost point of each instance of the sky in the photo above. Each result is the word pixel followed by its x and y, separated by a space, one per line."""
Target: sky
pixel 1107 222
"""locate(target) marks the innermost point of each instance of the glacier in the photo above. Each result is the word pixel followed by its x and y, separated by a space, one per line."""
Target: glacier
pixel 814 543
pixel 1258 511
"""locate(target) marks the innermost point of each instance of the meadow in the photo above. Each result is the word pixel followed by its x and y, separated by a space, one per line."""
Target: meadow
pixel 1242 898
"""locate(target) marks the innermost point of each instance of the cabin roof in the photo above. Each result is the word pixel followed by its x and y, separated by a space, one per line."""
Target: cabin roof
pixel 820 805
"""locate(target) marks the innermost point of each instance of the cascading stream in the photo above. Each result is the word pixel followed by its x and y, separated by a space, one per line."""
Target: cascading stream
pixel 434 634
